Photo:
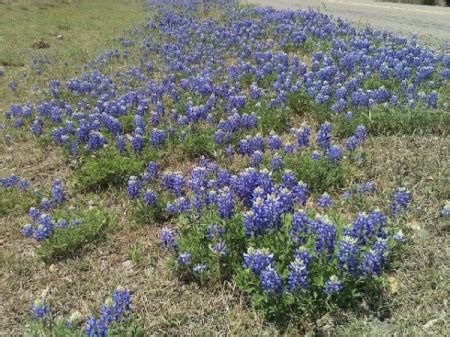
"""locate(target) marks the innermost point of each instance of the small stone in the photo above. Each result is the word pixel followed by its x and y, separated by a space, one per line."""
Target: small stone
pixel 128 264
pixel 393 284
pixel 59 37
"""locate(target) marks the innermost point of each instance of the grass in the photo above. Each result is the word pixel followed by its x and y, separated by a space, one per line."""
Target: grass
pixel 67 242
pixel 130 255
pixel 74 38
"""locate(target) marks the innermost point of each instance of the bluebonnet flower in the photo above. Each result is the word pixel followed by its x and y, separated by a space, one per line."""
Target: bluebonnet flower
pixel 219 248
pixel 58 194
pixel 360 98
pixel 299 223
pixel 289 148
pixel 367 187
pixel 361 133
pixel 200 268
pixel 182 204
pixel 302 136
pixel 46 204
pixel 168 238
pixel 399 236
pixel 276 163
pixel 34 213
pixel 171 208
pixel 95 328
pixel 10 181
pixel 225 203
pixel 334 154
pixel 257 260
pixel 297 276
pixel 303 254
pixel 95 141
pixel 152 170
pixel 222 137
pixel 54 86
pixel 133 187
pixel 36 127
pixel 348 115
pixel 352 143
pixel 324 201
pixel 120 144
pixel 44 227
pixel 333 285
pixel 271 282
pixel 288 179
pixel 115 309
pixel 137 142
pixel 325 233
pixel 371 263
pixel 274 142
pixel 40 310
pixel 257 158
pixel 401 200
pixel 27 230
pixel 157 137
pixel 315 155
pixel 214 231
pixel 185 259
pixel 265 214
pixel 348 254
pixel 346 195
pixel 149 198
pixel 323 138
pixel 229 151
pixel 432 99
pixel 284 200
pixel 174 182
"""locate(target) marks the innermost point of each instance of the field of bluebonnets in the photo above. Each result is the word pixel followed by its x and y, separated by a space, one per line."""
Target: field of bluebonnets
pixel 229 169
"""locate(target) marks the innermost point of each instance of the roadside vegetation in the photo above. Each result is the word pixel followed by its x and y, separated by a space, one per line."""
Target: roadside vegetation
pixel 219 168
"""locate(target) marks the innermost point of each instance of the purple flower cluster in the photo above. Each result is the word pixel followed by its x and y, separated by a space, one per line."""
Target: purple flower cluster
pixel 14 181
pixel 401 201
pixel 41 311
pixel 114 310
pixel 258 260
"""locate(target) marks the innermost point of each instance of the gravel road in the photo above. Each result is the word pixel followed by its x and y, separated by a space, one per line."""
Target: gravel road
pixel 430 24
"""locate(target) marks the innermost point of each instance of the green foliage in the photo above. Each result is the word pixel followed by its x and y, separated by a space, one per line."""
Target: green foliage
pixel 320 175
pixel 127 123
pixel 151 215
pixel 300 103
pixel 14 201
pixel 199 141
pixel 310 302
pixel 67 242
pixel 194 239
pixel 248 79
pixel 107 168
pixel 407 121
pixel 391 121
pixel 267 82
pixel 58 328
pixel 276 120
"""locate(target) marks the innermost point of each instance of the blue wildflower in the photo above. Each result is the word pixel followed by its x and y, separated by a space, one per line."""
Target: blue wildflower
pixel 271 282
pixel 257 260
pixel 333 285
pixel 297 276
